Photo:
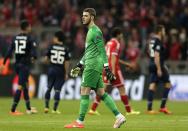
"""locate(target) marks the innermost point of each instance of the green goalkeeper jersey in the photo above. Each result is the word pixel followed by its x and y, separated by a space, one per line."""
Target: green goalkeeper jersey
pixel 95 54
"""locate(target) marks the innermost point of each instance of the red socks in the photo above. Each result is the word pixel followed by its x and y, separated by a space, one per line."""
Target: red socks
pixel 96 103
pixel 125 101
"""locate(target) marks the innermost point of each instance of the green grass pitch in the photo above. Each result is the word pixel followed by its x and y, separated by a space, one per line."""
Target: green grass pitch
pixel 178 121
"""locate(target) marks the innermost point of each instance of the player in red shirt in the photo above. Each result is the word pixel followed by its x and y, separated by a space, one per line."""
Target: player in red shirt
pixel 113 53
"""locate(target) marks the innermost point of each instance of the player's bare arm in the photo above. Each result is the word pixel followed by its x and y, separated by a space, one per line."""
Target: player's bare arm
pixel 113 63
pixel 67 64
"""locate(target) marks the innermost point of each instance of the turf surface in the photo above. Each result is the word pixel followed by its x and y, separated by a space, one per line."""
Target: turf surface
pixel 178 121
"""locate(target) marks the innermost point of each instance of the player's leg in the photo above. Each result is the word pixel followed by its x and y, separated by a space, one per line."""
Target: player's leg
pixel 56 101
pixel 124 98
pixel 89 79
pixel 152 87
pixel 95 104
pixel 84 104
pixel 26 96
pixel 30 110
pixel 16 100
pixel 51 80
pixel 17 95
pixel 93 110
pixel 109 102
pixel 24 76
pixel 167 86
pixel 119 83
pixel 163 108
pixel 125 101
pixel 57 87
pixel 153 79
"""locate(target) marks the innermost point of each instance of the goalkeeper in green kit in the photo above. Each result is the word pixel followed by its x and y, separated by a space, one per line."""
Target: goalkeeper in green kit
pixel 93 62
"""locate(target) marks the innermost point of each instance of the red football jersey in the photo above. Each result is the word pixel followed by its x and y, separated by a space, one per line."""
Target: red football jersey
pixel 113 48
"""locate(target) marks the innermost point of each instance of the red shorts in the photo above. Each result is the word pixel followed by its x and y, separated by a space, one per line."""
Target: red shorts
pixel 116 83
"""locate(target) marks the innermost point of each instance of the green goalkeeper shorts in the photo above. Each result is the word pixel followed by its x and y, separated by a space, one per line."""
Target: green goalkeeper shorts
pixel 92 78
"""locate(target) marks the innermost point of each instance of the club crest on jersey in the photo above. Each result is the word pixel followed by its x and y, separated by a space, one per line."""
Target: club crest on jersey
pixel 97 38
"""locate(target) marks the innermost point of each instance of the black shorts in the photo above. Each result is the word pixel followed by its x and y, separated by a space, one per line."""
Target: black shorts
pixel 153 78
pixel 23 72
pixel 56 79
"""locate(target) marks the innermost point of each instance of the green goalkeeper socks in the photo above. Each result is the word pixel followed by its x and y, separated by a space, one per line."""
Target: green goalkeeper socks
pixel 84 104
pixel 110 103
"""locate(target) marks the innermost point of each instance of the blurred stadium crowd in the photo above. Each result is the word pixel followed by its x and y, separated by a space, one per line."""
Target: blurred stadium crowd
pixel 136 18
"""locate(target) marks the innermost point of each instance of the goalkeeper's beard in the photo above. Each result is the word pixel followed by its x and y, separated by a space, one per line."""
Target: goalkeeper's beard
pixel 89 21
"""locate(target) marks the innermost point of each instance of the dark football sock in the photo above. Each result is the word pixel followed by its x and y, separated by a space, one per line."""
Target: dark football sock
pixel 150 99
pixel 56 99
pixel 47 98
pixel 26 97
pixel 16 100
pixel 165 96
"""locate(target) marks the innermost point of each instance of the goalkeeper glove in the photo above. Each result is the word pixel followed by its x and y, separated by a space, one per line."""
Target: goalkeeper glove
pixel 75 71
pixel 110 76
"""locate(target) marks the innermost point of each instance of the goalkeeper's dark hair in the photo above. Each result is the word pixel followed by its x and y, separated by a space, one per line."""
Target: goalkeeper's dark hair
pixel 116 31
pixel 24 24
pixel 59 35
pixel 91 11
pixel 158 28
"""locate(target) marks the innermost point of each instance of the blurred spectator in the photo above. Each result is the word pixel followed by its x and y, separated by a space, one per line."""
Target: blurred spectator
pixel 133 54
pixel 30 13
pixel 184 42
pixel 79 41
pixel 137 19
pixel 175 46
